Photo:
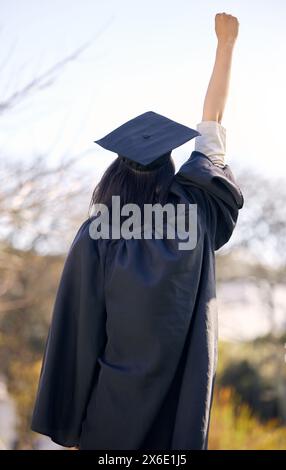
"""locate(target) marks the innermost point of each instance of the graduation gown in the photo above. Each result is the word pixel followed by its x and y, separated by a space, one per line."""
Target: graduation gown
pixel 131 354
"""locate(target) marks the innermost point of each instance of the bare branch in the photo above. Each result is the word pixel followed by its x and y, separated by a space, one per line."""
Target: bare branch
pixel 48 77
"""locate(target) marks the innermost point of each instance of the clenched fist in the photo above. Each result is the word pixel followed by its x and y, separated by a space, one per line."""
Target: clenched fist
pixel 226 28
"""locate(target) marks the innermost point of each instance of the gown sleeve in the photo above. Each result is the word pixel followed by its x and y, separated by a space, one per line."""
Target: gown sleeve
pixel 206 170
pixel 75 340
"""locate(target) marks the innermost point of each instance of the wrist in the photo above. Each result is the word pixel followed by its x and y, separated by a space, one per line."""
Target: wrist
pixel 226 44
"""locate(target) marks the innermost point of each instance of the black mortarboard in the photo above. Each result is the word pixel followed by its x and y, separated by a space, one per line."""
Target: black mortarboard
pixel 147 137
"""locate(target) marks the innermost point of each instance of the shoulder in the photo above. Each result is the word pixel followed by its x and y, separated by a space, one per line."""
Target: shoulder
pixel 86 252
pixel 83 237
pixel 197 170
pixel 200 171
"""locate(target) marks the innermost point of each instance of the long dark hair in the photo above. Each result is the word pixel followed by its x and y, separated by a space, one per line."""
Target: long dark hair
pixel 134 186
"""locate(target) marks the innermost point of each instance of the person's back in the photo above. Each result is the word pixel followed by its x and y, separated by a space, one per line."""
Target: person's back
pixel 131 356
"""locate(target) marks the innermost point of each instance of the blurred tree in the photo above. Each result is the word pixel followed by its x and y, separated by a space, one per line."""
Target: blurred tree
pixel 245 379
pixel 40 209
pixel 250 369
pixel 257 255
pixel 262 222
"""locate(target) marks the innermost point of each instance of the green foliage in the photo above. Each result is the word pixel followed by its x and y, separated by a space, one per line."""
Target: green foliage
pixel 256 371
pixel 234 427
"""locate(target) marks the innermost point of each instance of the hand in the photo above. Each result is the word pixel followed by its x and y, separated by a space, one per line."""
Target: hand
pixel 226 28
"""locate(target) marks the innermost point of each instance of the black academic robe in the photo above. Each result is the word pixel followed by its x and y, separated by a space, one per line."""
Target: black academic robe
pixel 131 354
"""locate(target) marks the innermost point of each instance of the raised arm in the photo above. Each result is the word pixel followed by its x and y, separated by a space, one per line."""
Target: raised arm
pixel 226 28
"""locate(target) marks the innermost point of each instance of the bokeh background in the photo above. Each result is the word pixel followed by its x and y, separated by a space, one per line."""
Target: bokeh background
pixel 70 72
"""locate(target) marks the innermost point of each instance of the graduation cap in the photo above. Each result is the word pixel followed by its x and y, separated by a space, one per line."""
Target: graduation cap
pixel 147 140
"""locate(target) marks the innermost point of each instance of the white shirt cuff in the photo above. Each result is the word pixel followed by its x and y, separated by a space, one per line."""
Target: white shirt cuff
pixel 212 142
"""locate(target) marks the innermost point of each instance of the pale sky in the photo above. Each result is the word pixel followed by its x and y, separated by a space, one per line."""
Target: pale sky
pixel 151 55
